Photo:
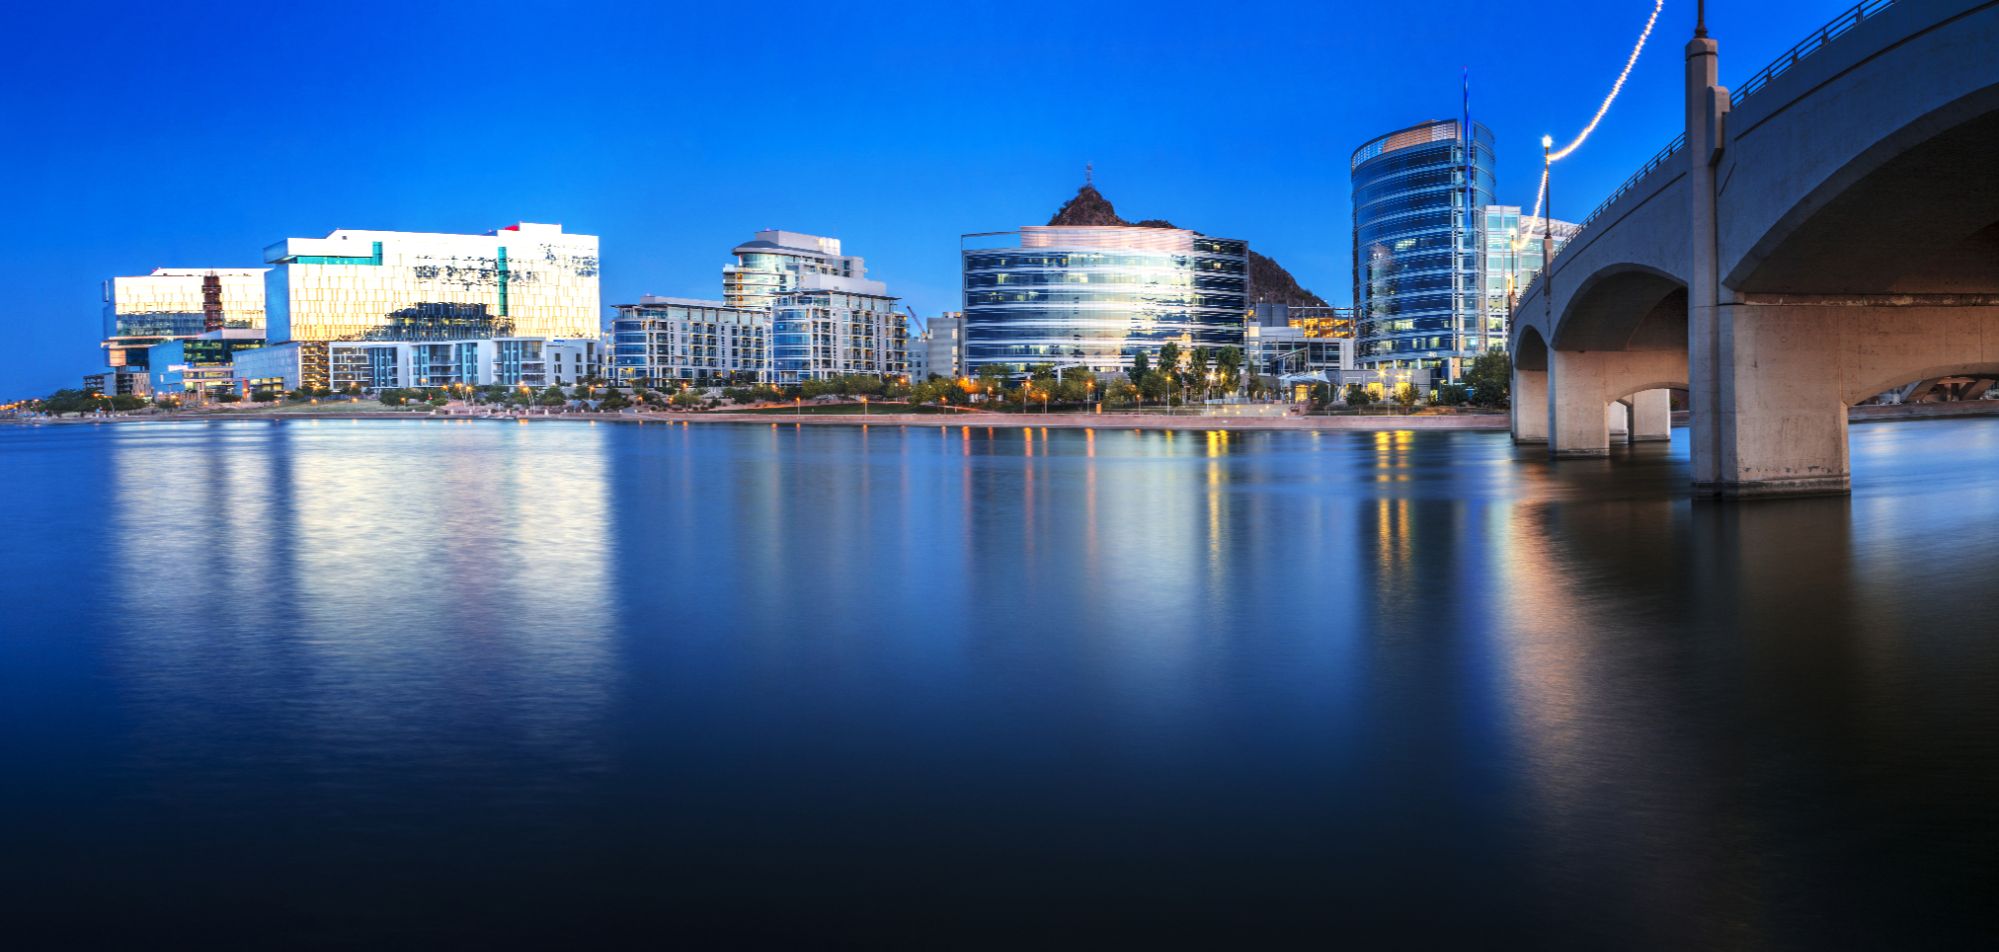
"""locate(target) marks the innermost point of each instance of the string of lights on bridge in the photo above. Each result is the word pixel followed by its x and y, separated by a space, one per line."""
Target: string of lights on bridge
pixel 1547 142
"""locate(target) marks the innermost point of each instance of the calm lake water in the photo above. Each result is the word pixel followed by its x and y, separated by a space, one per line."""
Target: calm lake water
pixel 578 683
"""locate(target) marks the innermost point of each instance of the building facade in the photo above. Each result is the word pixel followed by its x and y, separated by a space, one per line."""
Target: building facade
pixel 663 340
pixel 143 310
pixel 1513 256
pixel 774 261
pixel 940 350
pixel 831 326
pixel 203 365
pixel 1419 198
pixel 384 365
pixel 1097 295
pixel 522 281
pixel 1289 351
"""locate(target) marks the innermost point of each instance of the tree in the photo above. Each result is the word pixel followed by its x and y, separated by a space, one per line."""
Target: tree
pixel 552 397
pixel 1228 367
pixel 687 399
pixel 1357 395
pixel 261 395
pixel 614 400
pixel 1405 394
pixel 1198 365
pixel 1490 379
pixel 229 396
pixel 392 398
pixel 1140 367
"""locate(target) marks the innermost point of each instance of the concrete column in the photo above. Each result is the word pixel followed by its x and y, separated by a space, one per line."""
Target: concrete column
pixel 1782 427
pixel 1706 103
pixel 1530 406
pixel 1651 416
pixel 1617 420
pixel 1577 427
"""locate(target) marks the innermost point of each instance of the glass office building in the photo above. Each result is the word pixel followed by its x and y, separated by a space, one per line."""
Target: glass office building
pixel 1419 200
pixel 525 280
pixel 1513 257
pixel 1096 295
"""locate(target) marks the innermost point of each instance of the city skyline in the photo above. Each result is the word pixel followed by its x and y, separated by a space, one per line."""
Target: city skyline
pixel 125 185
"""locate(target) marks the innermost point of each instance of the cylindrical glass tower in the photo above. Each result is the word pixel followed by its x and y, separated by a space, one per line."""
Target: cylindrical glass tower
pixel 1419 198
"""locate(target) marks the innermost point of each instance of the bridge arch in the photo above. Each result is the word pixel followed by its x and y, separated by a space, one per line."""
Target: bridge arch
pixel 1913 212
pixel 1625 306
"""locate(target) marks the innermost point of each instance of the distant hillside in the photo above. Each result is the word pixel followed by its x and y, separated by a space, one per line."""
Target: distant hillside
pixel 1268 281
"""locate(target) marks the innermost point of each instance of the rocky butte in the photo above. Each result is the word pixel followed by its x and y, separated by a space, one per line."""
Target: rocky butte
pixel 1268 281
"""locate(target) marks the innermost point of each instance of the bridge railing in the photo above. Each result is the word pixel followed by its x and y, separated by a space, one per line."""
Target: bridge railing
pixel 1811 44
pixel 1818 40
pixel 1672 148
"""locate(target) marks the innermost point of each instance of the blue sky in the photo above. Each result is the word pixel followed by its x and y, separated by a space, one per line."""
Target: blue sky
pixel 141 136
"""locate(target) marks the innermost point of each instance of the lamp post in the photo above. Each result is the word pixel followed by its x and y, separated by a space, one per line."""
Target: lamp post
pixel 1548 225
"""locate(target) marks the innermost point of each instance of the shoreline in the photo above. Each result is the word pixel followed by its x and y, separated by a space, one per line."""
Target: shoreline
pixel 1481 422
pixel 1488 422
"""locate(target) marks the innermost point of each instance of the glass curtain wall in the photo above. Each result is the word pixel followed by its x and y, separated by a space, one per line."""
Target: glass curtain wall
pixel 1419 198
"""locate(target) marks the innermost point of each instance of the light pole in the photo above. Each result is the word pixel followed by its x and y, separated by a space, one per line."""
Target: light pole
pixel 1548 226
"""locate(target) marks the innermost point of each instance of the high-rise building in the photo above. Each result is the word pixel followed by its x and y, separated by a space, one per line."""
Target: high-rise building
pixel 940 350
pixel 143 310
pixel 1419 195
pixel 774 261
pixel 525 280
pixel 1096 295
pixel 1513 256
pixel 664 340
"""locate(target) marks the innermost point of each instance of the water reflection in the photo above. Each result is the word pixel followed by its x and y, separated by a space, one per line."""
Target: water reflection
pixel 1107 675
pixel 432 590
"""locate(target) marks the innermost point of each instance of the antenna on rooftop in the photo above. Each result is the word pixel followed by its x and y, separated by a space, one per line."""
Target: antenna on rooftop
pixel 1090 174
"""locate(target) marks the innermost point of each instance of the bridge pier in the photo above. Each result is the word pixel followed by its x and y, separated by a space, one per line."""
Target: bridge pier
pixel 1530 406
pixel 1792 364
pixel 1651 416
pixel 1617 419
pixel 1583 385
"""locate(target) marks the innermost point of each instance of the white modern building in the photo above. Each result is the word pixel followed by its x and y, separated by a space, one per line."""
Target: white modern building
pixel 940 350
pixel 1285 351
pixel 521 281
pixel 667 339
pixel 382 365
pixel 774 262
pixel 827 317
pixel 143 310
pixel 832 326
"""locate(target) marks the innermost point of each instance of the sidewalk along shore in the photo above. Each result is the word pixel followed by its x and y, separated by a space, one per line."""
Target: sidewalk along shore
pixel 1031 421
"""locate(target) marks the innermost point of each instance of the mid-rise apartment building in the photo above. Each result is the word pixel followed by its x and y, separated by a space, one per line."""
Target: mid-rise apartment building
pixel 663 340
pixel 775 261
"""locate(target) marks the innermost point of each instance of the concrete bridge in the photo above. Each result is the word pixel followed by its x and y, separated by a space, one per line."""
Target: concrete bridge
pixel 1827 232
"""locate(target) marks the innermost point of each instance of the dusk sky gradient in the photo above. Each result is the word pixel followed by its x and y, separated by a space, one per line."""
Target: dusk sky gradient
pixel 141 136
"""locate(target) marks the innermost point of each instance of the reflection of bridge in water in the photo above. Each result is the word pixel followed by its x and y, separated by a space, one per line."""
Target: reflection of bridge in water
pixel 1827 232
